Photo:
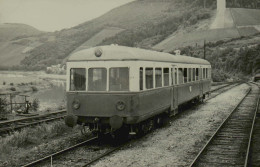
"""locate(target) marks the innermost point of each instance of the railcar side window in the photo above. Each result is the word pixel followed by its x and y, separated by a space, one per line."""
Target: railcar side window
pixel 149 78
pixel 97 79
pixel 119 79
pixel 207 73
pixel 180 74
pixel 185 75
pixel 77 79
pixel 204 73
pixel 166 76
pixel 190 75
pixel 197 74
pixel 141 73
pixel 175 76
pixel 193 74
pixel 158 77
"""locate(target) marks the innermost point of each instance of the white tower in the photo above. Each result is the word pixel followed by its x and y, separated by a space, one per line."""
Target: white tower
pixel 221 5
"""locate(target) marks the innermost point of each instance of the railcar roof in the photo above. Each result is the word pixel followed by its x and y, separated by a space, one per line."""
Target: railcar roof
pixel 123 53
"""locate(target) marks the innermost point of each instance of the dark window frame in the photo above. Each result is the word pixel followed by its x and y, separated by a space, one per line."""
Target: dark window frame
pixel 119 81
pixel 93 84
pixel 146 83
pixel 73 83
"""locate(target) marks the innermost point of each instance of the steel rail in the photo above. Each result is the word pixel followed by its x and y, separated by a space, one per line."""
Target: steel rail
pixel 101 156
pixel 32 117
pixel 222 124
pixel 5 130
pixel 60 152
pixel 12 125
pixel 221 87
pixel 252 129
pixel 231 86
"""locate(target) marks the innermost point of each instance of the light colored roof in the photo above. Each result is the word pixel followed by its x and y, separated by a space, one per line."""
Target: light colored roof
pixel 123 53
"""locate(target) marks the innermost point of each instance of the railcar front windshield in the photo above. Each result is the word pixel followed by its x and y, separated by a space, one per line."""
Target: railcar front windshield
pixel 77 79
pixel 97 79
pixel 119 79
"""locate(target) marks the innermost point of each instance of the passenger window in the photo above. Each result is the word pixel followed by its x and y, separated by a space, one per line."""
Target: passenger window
pixel 158 77
pixel 77 79
pixel 190 75
pixel 180 74
pixel 185 75
pixel 166 76
pixel 193 74
pixel 149 78
pixel 172 77
pixel 197 74
pixel 119 79
pixel 175 75
pixel 97 79
pixel 141 73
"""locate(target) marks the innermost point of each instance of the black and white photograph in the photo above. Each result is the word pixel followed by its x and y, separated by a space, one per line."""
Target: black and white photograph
pixel 129 83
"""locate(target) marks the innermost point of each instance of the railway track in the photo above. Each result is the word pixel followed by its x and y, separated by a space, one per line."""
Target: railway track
pixel 222 89
pixel 17 124
pixel 229 145
pixel 254 149
pixel 82 154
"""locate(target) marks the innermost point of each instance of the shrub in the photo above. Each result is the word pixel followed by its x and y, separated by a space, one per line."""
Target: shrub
pixel 4 83
pixel 3 106
pixel 35 104
pixel 12 84
pixel 12 89
pixel 34 89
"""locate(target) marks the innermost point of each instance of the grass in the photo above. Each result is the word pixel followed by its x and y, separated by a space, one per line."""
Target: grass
pixel 16 147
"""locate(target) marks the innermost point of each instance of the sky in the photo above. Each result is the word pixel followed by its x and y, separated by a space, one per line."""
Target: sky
pixel 52 15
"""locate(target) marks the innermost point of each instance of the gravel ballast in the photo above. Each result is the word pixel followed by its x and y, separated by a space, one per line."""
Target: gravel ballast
pixel 178 144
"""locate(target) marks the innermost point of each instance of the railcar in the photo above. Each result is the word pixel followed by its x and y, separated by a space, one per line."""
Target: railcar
pixel 114 87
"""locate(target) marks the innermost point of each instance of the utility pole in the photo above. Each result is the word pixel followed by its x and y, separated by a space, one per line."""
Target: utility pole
pixel 204 4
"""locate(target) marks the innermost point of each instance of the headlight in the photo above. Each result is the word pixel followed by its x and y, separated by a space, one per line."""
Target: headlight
pixel 75 104
pixel 120 105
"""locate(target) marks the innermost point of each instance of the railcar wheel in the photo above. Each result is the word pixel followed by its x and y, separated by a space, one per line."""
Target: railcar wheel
pixel 165 120
pixel 84 131
pixel 158 122
pixel 121 135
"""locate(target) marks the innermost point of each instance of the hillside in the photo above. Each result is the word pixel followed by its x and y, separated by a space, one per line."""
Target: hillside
pixel 153 24
pixel 9 31
pixel 233 23
pixel 145 23
pixel 233 58
pixel 12 49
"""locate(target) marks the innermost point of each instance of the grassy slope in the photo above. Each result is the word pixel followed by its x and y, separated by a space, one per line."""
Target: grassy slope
pixel 231 58
pixel 12 53
pixel 240 17
pixel 145 22
pixel 99 37
pixel 10 31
